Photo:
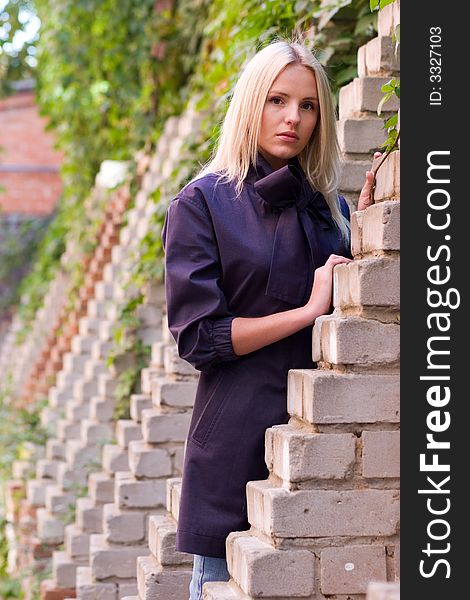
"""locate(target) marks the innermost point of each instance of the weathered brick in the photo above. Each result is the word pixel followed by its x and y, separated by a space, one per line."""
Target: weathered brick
pixel 320 513
pixel 77 543
pixel 69 477
pixel 50 529
pixel 64 570
pixel 388 19
pixel 84 389
pixel 147 375
pixel 107 385
pixel 158 354
pixel 96 309
pixel 361 135
pixel 50 591
pixel 93 432
pixel 348 570
pixel 57 501
pixel 121 526
pixel 76 411
pixel 82 344
pixel 162 541
pixel 47 469
pixel 381 227
pixel 155 582
pixel 74 362
pixel 87 589
pixel 353 175
pixel 378 590
pixel 356 232
pixel 381 454
pixel 113 561
pixel 81 456
pixel 363 94
pixel 260 570
pixel 104 290
pixel 378 57
pixel 68 430
pixel 355 341
pixel 367 282
pixel 221 591
pixel 296 455
pixel 102 408
pixel 174 365
pixel 329 397
pixel 55 450
pixel 130 493
pixel 146 461
pixel 100 488
pixel 387 185
pixel 167 392
pixel 127 431
pixel 173 495
pixel 139 402
pixel 88 516
pixel 115 459
pixel 157 427
pixel 127 590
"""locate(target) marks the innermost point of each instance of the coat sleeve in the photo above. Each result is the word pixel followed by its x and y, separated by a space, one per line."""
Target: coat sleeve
pixel 198 314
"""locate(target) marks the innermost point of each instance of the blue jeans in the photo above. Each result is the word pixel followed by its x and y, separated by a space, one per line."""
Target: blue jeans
pixel 206 568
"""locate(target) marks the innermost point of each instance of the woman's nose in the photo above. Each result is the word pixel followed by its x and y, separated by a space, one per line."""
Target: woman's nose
pixel 292 114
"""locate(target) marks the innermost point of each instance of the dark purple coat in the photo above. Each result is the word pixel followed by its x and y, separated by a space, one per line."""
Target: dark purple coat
pixel 226 258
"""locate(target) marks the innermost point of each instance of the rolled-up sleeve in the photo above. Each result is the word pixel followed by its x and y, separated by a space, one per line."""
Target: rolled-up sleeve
pixel 198 314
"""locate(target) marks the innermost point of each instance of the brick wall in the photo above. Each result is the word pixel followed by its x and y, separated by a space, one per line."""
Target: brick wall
pixel 28 162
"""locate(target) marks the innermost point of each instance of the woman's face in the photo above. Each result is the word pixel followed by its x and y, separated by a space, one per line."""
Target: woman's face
pixel 292 107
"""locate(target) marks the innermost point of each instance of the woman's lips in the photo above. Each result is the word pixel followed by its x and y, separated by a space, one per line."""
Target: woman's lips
pixel 287 138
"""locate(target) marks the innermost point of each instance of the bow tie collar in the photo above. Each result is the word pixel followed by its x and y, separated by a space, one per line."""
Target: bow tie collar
pixel 295 248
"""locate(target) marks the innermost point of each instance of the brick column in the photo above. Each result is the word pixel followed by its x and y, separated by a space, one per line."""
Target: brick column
pixel 326 521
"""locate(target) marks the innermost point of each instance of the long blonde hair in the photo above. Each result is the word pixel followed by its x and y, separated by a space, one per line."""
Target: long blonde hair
pixel 238 141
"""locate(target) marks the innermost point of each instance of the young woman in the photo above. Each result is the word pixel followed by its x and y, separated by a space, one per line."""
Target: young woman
pixel 250 247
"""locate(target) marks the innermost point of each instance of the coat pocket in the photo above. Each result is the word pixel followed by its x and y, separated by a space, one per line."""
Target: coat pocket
pixel 217 396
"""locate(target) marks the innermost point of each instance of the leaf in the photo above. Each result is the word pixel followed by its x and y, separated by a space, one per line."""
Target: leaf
pixel 389 86
pixel 396 36
pixel 384 3
pixel 392 121
pixel 383 101
pixel 374 4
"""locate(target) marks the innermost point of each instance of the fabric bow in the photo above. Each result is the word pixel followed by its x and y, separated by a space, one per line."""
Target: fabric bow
pixel 295 240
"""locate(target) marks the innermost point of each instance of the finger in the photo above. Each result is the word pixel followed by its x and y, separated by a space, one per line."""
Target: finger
pixel 377 154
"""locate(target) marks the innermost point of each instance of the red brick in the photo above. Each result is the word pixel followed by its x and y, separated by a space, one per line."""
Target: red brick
pixel 50 592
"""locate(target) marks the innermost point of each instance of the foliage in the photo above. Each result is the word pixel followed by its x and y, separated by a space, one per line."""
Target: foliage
pixel 18 36
pixel 20 432
pixel 9 587
pixel 390 88
pixel 19 245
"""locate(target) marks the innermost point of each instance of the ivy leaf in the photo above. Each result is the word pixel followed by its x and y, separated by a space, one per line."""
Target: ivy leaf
pixel 396 35
pixel 384 3
pixel 391 122
pixel 385 99
pixel 374 4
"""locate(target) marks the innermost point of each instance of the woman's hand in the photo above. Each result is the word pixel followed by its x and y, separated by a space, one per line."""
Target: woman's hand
pixel 322 290
pixel 365 195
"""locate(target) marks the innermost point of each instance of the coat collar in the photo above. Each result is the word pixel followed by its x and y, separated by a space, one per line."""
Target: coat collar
pixel 288 191
pixel 288 186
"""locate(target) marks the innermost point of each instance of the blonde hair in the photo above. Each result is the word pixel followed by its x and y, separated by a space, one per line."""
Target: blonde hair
pixel 238 141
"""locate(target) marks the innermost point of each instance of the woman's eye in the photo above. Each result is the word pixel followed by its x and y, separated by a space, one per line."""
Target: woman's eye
pixel 275 100
pixel 308 105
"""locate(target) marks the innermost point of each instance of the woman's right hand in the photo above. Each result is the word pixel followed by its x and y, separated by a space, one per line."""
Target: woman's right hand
pixel 320 299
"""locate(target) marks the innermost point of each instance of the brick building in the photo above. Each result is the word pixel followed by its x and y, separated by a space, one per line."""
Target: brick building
pixel 30 185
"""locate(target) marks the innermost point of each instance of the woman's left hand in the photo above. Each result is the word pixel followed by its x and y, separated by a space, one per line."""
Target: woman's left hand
pixel 365 195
